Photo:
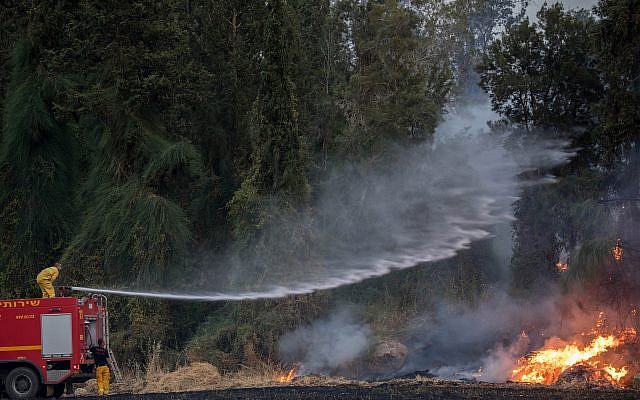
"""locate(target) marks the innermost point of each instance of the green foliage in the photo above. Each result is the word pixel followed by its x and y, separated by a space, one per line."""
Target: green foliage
pixel 465 29
pixel 37 175
pixel 278 160
pixel 139 325
pixel 135 228
pixel 135 49
pixel 543 74
pixel 618 43
pixel 243 333
pixel 323 69
pixel 551 78
pixel 564 217
pixel 590 260
pixel 387 95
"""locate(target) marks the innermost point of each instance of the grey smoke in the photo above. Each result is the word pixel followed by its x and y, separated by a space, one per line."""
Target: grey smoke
pixel 499 364
pixel 327 344
pixel 456 341
pixel 471 178
pixel 481 342
pixel 484 342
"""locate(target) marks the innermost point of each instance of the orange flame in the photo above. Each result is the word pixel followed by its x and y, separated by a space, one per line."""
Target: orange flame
pixel 545 366
pixel 617 251
pixel 288 376
pixel 562 267
pixel 614 373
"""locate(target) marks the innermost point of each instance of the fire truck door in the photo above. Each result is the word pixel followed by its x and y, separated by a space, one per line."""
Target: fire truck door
pixel 56 335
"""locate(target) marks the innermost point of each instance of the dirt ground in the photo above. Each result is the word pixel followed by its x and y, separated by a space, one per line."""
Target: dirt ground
pixel 397 390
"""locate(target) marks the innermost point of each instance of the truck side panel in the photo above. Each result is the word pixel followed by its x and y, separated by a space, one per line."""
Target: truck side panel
pixel 56 335
pixel 46 332
pixel 20 333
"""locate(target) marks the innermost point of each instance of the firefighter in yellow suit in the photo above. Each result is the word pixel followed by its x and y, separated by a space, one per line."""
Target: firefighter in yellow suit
pixel 101 359
pixel 45 280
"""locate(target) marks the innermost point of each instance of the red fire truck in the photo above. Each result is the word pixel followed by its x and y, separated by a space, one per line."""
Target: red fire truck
pixel 44 343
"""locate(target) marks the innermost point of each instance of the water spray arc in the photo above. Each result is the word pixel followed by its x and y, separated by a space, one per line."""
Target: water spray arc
pixel 431 201
pixel 215 296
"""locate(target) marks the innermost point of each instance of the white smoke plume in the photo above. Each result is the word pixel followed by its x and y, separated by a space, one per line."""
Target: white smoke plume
pixel 327 344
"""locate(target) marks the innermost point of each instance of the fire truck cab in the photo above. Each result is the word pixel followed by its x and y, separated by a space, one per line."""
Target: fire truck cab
pixel 44 344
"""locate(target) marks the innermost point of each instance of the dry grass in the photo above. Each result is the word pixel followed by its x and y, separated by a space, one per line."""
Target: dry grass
pixel 155 377
pixel 196 376
pixel 204 376
pixel 262 374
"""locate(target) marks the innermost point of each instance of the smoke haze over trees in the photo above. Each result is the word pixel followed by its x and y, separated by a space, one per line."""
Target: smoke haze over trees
pixel 142 141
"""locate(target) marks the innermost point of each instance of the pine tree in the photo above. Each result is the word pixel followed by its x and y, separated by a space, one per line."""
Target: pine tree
pixel 134 225
pixel 619 48
pixel 387 95
pixel 38 159
pixel 322 72
pixel 278 159
pixel 543 75
pixel 226 38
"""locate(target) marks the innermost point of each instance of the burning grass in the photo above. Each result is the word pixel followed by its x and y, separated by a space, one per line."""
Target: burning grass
pixel 288 376
pixel 589 357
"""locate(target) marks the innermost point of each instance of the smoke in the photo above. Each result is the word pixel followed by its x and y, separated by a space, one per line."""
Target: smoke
pixel 455 341
pixel 327 344
pixel 464 188
pixel 499 364
pixel 418 203
pixel 485 342
pixel 482 342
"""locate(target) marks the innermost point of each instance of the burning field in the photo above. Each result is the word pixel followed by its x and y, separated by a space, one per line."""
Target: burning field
pixel 608 353
pixel 571 342
pixel 599 363
pixel 583 337
pixel 591 357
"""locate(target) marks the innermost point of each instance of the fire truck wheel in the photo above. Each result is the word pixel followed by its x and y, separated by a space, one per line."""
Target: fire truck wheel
pixel 22 383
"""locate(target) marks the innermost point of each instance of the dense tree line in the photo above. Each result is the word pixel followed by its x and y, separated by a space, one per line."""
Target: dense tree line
pixel 140 135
